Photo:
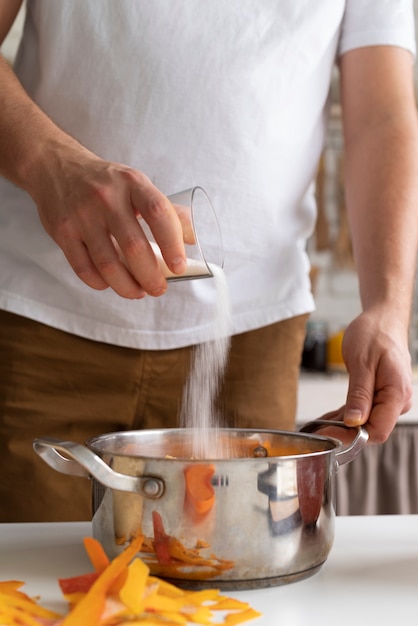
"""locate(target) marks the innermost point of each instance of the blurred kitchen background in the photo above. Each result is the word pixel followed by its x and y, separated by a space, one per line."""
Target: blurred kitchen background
pixel 383 479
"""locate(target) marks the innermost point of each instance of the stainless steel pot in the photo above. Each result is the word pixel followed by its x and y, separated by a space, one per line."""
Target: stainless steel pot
pixel 264 516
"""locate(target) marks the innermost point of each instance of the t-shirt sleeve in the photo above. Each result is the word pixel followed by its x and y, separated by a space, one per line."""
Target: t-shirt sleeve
pixel 376 23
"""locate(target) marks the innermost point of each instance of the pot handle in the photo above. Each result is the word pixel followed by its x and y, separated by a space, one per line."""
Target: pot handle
pixel 81 461
pixel 347 453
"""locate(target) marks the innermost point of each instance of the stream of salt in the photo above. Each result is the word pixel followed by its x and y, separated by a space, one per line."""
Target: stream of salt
pixel 209 360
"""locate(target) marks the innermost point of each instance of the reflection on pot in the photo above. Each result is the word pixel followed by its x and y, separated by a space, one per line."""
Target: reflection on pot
pixel 311 477
pixel 279 484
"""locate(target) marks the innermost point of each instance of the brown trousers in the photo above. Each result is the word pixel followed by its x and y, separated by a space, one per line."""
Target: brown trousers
pixel 56 384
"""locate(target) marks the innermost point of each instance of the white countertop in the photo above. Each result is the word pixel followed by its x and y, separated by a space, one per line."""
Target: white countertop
pixel 370 577
pixel 320 393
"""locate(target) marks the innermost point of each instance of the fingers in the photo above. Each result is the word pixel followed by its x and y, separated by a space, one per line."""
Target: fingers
pixel 377 399
pixel 376 409
pixel 335 432
pixel 389 403
pixel 94 219
pixel 165 225
pixel 132 263
pixel 185 217
pixel 359 398
pixel 100 267
pixel 78 257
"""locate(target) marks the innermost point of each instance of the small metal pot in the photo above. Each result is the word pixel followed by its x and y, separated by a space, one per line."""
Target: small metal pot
pixel 264 516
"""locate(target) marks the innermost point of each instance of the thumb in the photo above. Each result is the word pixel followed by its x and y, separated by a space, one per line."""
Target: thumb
pixel 359 401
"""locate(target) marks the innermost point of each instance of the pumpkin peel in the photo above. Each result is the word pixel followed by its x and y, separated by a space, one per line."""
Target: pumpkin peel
pixel 123 593
pixel 96 554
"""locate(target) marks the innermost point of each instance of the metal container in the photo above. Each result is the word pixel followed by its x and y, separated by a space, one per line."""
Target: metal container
pixel 264 516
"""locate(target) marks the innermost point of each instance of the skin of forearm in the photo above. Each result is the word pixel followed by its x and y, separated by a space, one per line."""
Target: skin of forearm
pixel 381 182
pixel 27 135
pixel 382 198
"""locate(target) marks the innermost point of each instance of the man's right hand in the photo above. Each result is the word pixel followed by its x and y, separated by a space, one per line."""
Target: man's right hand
pixel 91 208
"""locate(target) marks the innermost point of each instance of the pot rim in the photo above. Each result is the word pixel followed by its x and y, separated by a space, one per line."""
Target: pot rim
pixel 332 444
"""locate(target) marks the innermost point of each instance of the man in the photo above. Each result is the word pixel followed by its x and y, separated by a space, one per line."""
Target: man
pixel 116 104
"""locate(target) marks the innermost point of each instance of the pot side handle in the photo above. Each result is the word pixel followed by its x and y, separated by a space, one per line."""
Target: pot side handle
pixel 75 459
pixel 347 453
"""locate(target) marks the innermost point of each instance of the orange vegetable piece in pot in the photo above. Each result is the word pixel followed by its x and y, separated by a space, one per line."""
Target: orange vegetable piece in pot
pixel 200 493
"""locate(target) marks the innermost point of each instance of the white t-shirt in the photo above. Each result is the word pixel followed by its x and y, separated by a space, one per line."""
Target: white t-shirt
pixel 231 96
